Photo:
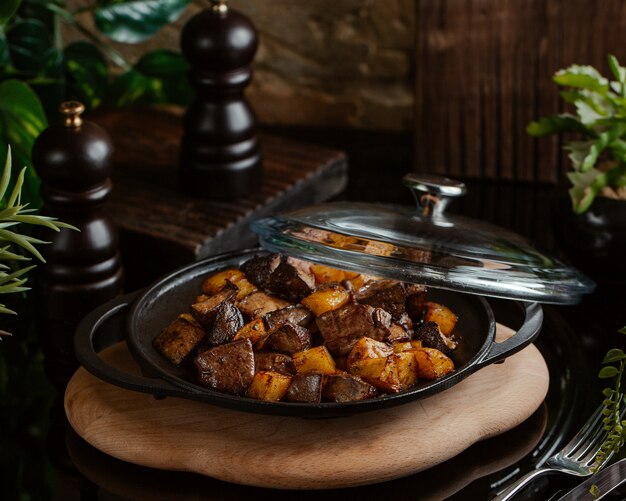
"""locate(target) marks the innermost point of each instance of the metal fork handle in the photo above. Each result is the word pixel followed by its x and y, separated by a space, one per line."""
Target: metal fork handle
pixel 522 482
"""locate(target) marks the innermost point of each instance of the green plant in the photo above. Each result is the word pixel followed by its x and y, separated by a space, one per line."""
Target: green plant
pixel 12 214
pixel 598 154
pixel 614 364
pixel 37 71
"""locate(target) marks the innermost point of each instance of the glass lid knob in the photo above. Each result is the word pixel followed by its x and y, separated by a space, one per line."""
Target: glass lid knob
pixel 433 193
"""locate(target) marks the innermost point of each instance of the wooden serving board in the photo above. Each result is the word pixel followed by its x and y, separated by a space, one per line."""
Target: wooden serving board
pixel 296 453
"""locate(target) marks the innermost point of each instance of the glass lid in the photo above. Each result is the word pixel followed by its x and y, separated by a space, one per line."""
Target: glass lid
pixel 424 245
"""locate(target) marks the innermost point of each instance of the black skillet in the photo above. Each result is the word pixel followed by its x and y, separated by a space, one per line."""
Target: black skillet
pixel 146 313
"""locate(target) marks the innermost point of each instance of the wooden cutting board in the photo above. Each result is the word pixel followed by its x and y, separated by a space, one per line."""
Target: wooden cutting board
pixel 296 453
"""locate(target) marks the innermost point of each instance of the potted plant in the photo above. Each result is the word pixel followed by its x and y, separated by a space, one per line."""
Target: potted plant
pixel 592 230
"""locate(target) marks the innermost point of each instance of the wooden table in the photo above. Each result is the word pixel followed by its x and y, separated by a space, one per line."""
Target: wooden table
pixel 161 228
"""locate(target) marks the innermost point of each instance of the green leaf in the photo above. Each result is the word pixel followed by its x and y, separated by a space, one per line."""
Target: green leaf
pixel 133 21
pixel 604 139
pixel 171 70
pixel 586 185
pixel 622 330
pixel 161 63
pixel 613 356
pixel 7 8
pixel 22 119
pixel 557 123
pixel 133 88
pixel 581 77
pixel 28 43
pixel 6 173
pixel 22 241
pixel 619 72
pixel 87 74
pixel 607 372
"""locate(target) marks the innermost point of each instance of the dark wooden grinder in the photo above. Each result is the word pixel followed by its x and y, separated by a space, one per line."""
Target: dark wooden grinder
pixel 219 157
pixel 83 268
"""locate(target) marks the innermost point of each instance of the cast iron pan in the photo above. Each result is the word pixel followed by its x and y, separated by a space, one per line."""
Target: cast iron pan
pixel 148 312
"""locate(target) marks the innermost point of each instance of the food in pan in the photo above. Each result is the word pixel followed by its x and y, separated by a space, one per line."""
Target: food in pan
pixel 282 329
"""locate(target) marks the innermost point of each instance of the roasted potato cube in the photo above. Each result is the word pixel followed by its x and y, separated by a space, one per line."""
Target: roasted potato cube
pixel 347 388
pixel 367 347
pixel 442 316
pixel 392 374
pixel 179 338
pixel 397 333
pixel 316 359
pixel 270 386
pixel 368 368
pixel 244 288
pixel 406 346
pixel 407 368
pixel 205 311
pixel 305 388
pixel 228 367
pixel 258 304
pixel 254 331
pixel 431 363
pixel 215 283
pixel 324 274
pixel 327 299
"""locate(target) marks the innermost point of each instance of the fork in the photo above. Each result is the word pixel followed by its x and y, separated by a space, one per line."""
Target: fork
pixel 576 458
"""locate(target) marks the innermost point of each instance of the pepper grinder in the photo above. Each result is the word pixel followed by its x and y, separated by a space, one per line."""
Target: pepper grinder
pixel 83 268
pixel 219 157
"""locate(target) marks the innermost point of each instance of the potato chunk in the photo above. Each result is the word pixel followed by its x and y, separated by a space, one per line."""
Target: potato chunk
pixel 244 288
pixel 215 283
pixel 326 299
pixel 442 316
pixel 316 359
pixel 431 363
pixel 395 373
pixel 269 386
pixel 254 331
pixel 324 274
pixel 367 347
pixel 406 346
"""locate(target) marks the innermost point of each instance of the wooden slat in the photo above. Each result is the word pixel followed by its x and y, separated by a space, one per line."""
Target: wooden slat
pixel 484 72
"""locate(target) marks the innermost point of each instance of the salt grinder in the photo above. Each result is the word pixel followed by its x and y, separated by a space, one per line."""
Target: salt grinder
pixel 83 268
pixel 219 157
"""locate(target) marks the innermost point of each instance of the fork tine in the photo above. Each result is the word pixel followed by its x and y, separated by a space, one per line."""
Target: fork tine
pixel 588 455
pixel 591 428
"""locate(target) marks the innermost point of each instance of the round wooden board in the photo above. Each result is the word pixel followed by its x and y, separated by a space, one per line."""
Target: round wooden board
pixel 296 453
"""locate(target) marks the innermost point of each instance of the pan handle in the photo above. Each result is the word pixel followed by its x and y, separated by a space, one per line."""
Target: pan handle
pixel 533 319
pixel 85 342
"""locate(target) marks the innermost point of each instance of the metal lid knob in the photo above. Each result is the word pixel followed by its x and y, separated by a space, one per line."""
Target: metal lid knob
pixel 433 193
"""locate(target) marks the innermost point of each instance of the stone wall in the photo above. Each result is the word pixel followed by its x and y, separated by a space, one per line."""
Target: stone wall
pixel 329 63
